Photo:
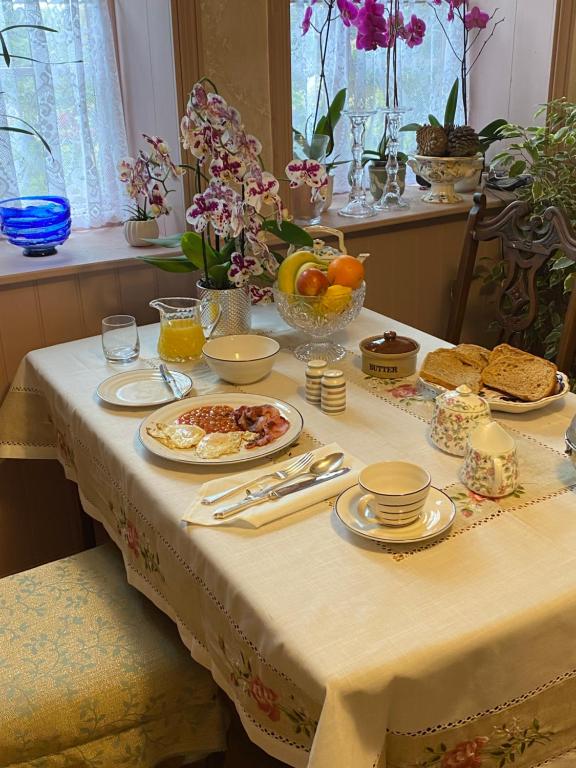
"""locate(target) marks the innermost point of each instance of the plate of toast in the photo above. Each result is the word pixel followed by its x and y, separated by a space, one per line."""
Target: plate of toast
pixel 508 378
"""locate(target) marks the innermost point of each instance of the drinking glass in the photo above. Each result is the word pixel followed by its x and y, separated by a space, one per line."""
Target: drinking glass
pixel 120 339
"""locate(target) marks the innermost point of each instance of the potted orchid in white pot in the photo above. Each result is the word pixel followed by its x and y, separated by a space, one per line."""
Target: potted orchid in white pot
pixel 146 178
pixel 235 207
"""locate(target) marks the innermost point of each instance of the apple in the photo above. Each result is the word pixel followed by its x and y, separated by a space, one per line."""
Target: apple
pixel 312 282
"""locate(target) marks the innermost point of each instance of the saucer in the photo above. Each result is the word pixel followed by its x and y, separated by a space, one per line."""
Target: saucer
pixel 141 388
pixel 436 517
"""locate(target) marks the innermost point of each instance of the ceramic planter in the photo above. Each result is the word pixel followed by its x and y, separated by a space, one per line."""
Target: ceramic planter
pixel 136 231
pixel 442 173
pixel 329 192
pixel 379 176
pixel 235 309
pixel 304 210
pixel 472 184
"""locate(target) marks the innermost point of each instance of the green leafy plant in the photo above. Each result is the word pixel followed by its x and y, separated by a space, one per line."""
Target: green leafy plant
pixel 380 154
pixel 487 135
pixel 137 212
pixel 305 147
pixel 548 154
pixel 216 262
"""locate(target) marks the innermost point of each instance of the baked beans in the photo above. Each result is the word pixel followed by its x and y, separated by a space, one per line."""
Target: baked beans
pixel 211 418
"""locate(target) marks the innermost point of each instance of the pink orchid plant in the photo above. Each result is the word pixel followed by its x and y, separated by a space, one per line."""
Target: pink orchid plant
pixel 474 23
pixel 146 178
pixel 382 25
pixel 236 204
pixel 377 25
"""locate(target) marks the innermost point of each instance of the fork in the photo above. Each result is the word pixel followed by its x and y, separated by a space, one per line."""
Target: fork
pixel 281 474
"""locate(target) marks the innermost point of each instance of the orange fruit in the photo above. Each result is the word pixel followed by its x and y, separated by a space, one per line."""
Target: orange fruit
pixel 346 270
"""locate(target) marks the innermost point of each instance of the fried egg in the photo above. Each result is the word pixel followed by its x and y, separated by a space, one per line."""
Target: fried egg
pixel 176 435
pixel 217 444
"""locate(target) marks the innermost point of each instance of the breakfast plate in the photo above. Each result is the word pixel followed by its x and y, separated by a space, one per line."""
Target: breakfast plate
pixel 140 388
pixel 498 401
pixel 169 414
pixel 437 516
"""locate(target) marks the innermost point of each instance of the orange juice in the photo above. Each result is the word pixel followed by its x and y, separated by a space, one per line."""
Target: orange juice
pixel 180 339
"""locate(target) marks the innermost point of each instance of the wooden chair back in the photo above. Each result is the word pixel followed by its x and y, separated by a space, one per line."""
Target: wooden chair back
pixel 528 242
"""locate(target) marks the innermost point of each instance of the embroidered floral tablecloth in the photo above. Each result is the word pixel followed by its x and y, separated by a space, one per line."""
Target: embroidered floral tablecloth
pixel 339 652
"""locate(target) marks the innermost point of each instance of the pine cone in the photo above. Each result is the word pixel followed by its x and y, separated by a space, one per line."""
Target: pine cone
pixel 432 141
pixel 463 141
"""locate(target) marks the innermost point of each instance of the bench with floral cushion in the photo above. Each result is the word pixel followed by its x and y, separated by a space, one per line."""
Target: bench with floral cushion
pixel 92 674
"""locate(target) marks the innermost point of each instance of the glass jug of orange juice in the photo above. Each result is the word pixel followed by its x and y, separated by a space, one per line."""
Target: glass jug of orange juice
pixel 185 324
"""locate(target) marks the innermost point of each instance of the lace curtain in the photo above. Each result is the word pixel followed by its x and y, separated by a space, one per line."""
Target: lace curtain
pixel 426 74
pixel 76 107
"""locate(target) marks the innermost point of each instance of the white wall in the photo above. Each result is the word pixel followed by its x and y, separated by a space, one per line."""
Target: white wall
pixel 149 84
pixel 511 77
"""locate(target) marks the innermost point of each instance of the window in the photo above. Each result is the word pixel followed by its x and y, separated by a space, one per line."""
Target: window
pixel 426 74
pixel 75 106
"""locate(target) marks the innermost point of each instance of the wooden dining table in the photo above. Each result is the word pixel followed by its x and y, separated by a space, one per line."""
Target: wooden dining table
pixel 339 651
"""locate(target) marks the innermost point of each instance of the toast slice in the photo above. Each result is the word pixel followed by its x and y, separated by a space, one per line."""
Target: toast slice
pixel 473 354
pixel 520 374
pixel 503 350
pixel 446 368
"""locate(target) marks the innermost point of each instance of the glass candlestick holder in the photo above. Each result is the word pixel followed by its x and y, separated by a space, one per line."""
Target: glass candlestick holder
pixel 392 196
pixel 357 206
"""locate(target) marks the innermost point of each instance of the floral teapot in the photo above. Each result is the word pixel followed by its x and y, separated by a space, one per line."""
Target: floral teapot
pixel 456 414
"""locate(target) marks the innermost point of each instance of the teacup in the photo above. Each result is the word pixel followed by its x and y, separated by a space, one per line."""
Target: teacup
pixel 491 464
pixel 394 491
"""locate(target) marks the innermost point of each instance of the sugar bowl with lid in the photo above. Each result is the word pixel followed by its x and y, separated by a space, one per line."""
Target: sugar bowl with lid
pixel 456 414
pixel 389 356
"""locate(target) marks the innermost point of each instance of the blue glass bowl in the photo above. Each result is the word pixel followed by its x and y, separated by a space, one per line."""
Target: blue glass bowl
pixel 37 224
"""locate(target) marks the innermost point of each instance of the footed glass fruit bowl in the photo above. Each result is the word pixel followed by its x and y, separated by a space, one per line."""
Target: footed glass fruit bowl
pixel 320 317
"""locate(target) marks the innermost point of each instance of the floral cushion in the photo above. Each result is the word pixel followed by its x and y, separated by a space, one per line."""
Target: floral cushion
pixel 92 674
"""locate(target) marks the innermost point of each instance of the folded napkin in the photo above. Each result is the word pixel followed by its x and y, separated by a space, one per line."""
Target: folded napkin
pixel 268 511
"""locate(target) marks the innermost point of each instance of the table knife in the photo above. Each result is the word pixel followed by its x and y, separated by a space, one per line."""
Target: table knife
pixel 171 381
pixel 277 493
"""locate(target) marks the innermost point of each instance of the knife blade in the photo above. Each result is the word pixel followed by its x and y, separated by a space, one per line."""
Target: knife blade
pixel 277 493
pixel 171 382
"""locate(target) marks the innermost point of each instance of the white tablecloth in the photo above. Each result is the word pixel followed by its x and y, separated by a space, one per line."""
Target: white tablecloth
pixel 339 652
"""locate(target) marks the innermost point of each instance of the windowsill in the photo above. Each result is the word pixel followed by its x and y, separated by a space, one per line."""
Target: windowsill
pixel 418 212
pixel 103 249
pixel 88 250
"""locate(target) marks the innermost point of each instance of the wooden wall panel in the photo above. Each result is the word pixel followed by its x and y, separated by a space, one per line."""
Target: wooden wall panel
pixel 100 295
pixel 280 83
pixel 410 272
pixel 187 64
pixel 61 310
pixel 563 71
pixel 20 317
pixel 138 287
pixel 170 284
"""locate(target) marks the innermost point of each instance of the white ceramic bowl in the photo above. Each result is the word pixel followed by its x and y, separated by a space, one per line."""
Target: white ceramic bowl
pixel 241 359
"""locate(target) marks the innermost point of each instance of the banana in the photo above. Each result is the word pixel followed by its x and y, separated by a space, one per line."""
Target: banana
pixel 288 270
